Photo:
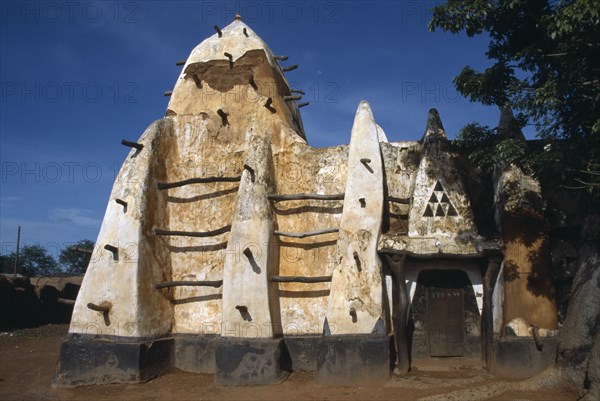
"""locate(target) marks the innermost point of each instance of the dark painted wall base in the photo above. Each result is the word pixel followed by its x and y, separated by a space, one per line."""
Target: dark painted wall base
pixel 519 357
pixel 354 360
pixel 303 351
pixel 85 361
pixel 257 361
pixel 196 353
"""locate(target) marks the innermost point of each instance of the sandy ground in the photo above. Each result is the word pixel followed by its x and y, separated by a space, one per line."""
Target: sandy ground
pixel 28 359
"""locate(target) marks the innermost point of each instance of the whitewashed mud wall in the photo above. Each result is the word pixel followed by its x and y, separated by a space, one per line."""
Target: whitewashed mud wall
pixel 120 283
pixel 356 300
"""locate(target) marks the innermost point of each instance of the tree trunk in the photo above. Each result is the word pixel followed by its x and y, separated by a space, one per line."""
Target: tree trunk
pixel 582 321
pixel 593 372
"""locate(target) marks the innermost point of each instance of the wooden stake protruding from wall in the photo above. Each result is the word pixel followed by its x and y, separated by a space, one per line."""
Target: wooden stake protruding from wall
pixel 268 105
pixel 122 203
pixel 230 57
pixel 131 144
pixel 223 116
pixel 252 82
pixel 197 81
pixel 98 308
pixel 251 171
pixel 114 250
pixel 365 162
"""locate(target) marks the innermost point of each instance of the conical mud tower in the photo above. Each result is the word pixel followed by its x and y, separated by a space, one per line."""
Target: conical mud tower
pixel 230 246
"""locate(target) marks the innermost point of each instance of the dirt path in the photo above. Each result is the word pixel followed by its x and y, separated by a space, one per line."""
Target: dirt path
pixel 28 358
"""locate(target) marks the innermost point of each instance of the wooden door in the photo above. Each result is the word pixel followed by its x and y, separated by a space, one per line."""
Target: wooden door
pixel 445 322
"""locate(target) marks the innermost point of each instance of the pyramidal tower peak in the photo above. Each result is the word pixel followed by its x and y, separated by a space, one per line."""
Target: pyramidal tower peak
pixel 434 129
pixel 229 74
pixel 237 38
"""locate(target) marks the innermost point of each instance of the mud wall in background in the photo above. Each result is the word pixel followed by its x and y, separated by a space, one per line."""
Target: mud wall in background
pixel 26 301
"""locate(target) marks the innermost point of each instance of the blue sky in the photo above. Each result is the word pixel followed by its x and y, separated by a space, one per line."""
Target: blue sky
pixel 79 76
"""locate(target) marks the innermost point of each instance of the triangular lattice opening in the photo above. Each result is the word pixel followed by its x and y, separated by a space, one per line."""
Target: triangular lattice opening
pixel 440 203
pixel 451 211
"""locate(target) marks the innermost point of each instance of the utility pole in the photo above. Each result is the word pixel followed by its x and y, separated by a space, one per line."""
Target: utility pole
pixel 17 253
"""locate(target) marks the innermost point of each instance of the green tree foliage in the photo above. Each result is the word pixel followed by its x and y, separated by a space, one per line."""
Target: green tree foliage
pixel 34 260
pixel 545 66
pixel 487 148
pixel 7 263
pixel 74 260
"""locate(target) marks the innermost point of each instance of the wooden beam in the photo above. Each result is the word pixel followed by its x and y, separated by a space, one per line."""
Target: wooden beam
pixel 300 279
pixel 199 234
pixel 177 184
pixel 204 283
pixel 308 233
pixel 291 197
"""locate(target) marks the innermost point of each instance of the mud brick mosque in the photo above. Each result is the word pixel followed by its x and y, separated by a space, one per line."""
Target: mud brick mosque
pixel 231 246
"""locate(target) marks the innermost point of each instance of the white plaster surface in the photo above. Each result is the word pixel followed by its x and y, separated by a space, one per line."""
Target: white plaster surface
pixel 381 137
pixel 247 293
pixel 498 301
pixel 126 285
pixel 438 178
pixel 354 287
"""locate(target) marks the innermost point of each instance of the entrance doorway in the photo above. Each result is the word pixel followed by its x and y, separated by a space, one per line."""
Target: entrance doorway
pixel 444 293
